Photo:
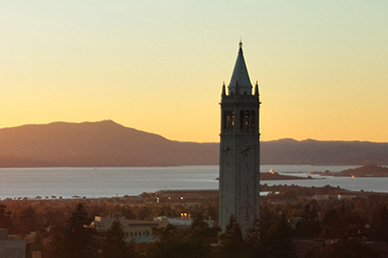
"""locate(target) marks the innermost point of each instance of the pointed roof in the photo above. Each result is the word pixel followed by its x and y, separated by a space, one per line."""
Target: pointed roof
pixel 240 82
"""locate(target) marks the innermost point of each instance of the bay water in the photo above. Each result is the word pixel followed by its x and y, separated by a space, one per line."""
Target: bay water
pixel 50 183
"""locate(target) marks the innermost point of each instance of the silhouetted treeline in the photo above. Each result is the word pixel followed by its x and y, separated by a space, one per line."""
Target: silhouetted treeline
pixel 291 225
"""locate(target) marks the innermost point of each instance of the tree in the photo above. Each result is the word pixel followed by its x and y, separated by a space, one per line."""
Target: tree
pixel 56 248
pixel 333 226
pixel 201 232
pixel 277 241
pixel 253 239
pixel 36 245
pixel 310 226
pixel 114 245
pixel 143 213
pixel 232 242
pixel 28 220
pixel 171 243
pixel 379 228
pixel 200 236
pixel 5 218
pixel 193 242
pixel 79 237
pixel 345 248
pixel 128 213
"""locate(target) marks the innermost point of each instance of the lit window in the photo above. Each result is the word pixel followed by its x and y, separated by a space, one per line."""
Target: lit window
pixel 246 119
pixel 252 119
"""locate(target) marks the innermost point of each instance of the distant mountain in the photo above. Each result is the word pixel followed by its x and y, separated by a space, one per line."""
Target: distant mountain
pixel 107 143
pixel 312 152
pixel 370 170
pixel 96 144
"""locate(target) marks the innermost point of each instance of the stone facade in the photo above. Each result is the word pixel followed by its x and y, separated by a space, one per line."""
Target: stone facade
pixel 239 150
pixel 11 247
pixel 131 227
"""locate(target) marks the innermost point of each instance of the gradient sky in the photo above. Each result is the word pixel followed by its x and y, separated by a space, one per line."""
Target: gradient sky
pixel 158 66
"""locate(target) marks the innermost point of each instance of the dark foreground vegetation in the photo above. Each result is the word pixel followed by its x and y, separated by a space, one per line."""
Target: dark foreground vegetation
pixel 295 222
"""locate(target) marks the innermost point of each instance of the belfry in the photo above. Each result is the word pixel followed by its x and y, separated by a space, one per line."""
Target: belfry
pixel 239 149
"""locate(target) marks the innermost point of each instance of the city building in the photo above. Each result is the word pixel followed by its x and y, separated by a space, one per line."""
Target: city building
pixel 239 149
pixel 184 221
pixel 11 247
pixel 132 228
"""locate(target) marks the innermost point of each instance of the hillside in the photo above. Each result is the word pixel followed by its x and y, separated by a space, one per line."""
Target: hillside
pixel 103 143
pixel 370 170
pixel 107 143
pixel 312 152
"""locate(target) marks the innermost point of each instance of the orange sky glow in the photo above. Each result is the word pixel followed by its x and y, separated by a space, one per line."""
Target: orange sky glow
pixel 322 67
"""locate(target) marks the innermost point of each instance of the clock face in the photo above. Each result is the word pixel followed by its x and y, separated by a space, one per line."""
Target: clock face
pixel 247 150
pixel 226 150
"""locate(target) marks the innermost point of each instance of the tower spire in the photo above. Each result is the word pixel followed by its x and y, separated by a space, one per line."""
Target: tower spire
pixel 257 89
pixel 240 75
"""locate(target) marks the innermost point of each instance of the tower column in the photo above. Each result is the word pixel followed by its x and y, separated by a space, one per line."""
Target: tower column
pixel 239 150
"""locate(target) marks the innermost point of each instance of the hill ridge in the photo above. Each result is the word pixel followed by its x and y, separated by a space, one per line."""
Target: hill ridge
pixel 107 143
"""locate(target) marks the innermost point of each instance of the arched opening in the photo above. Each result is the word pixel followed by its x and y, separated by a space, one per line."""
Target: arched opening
pixel 223 120
pixel 229 120
pixel 232 119
pixel 246 119
pixel 241 119
pixel 253 117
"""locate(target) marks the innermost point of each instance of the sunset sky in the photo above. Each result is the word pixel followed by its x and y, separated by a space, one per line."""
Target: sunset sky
pixel 158 66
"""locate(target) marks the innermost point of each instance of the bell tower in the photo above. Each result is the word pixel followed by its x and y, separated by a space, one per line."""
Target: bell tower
pixel 239 149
